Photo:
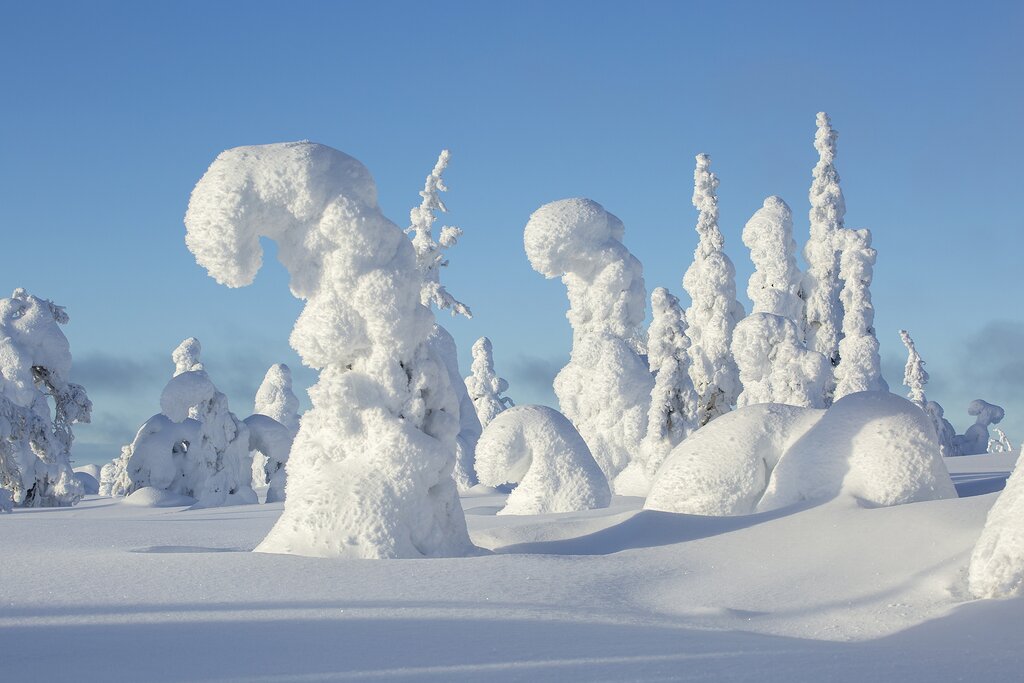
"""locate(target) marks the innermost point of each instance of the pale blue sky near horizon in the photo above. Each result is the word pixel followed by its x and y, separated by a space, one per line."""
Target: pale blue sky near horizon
pixel 111 111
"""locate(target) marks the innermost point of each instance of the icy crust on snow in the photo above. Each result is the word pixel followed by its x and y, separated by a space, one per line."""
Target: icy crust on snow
pixel 875 446
pixel 273 441
pixel 537 448
pixel 723 468
pixel 997 563
pixel 370 471
pixel 605 389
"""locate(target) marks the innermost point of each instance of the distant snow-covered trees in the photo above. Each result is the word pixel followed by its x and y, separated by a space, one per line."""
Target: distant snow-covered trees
pixel 860 366
pixel 999 443
pixel 606 387
pixel 370 472
pixel 714 311
pixel 975 440
pixel 35 434
pixel 275 397
pixel 484 386
pixel 276 401
pixel 996 569
pixel 915 377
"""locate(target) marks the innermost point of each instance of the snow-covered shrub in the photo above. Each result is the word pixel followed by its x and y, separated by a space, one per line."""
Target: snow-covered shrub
pixel 997 563
pixel 975 440
pixel 774 364
pixel 999 443
pixel 874 446
pixel 714 311
pixel 484 386
pixel 195 447
pixel 370 471
pixel 860 366
pixel 723 468
pixel 824 313
pixel 35 434
pixel 915 377
pixel 537 448
pixel 672 416
pixel 606 387
pixel 272 441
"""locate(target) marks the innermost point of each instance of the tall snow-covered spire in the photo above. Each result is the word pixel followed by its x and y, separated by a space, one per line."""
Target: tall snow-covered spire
pixel 821 282
pixel 714 311
pixel 429 258
pixel 276 399
pixel 860 366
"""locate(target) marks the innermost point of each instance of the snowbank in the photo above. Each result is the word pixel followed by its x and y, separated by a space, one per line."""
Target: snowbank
pixel 997 563
pixel 150 497
pixel 538 448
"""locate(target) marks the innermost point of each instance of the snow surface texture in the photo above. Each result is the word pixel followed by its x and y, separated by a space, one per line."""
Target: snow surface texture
pixel 714 311
pixel 873 446
pixel 195 447
pixel 605 389
pixel 537 448
pixel 824 312
pixel 672 416
pixel 484 386
pixel 860 366
pixel 443 346
pixel 35 434
pixel 975 440
pixel 370 472
pixel 915 377
pixel 272 441
pixel 997 563
pixel 774 364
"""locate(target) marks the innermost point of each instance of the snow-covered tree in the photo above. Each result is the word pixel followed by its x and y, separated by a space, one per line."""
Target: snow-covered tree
pixel 484 386
pixel 605 389
pixel 999 443
pixel 442 345
pixel 997 563
pixel 860 366
pixel 673 412
pixel 275 397
pixel 714 311
pixel 276 400
pixel 272 442
pixel 915 377
pixel 774 365
pixel 824 313
pixel 370 471
pixel 194 447
pixel 975 440
pixel 38 405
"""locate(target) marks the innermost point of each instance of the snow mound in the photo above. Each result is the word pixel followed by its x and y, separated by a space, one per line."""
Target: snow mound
pixel 538 448
pixel 723 468
pixel 997 563
pixel 90 484
pixel 875 446
pixel 151 497
pixel 91 469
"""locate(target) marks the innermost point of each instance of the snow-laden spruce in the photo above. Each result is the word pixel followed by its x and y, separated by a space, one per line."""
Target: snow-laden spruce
pixel 997 563
pixel 860 366
pixel 672 416
pixel 370 472
pixel 773 363
pixel 824 312
pixel 194 448
pixel 270 442
pixel 605 389
pixel 429 261
pixel 537 448
pixel 975 440
pixel 484 386
pixel 275 397
pixel 38 405
pixel 915 377
pixel 714 311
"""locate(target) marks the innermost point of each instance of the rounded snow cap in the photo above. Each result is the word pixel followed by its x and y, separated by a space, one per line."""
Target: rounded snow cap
pixel 562 236
pixel 987 413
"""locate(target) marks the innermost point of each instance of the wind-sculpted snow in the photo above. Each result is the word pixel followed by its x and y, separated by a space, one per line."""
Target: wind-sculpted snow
pixel 370 471
pixel 873 446
pixel 997 563
pixel 539 449
pixel 605 389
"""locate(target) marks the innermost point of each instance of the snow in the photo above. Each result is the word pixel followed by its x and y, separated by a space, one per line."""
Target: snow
pixel 975 439
pixel 775 366
pixel 442 344
pixel 606 387
pixel 152 497
pixel 484 387
pixel 90 484
pixel 997 563
pixel 860 366
pixel 273 442
pixel 537 448
pixel 276 399
pixel 370 471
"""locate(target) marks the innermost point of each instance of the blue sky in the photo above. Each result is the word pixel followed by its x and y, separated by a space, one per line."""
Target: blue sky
pixel 110 112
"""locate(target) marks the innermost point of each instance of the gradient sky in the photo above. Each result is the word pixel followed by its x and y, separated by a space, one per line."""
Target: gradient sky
pixel 110 112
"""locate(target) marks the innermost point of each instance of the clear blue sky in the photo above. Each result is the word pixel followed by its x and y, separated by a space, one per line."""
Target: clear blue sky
pixel 110 112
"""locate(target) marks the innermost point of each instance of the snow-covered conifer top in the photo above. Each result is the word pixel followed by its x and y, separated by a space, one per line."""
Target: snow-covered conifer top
pixel 186 356
pixel 774 287
pixel 30 337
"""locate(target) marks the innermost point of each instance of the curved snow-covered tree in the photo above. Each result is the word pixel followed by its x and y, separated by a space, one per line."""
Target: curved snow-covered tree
pixel 673 412
pixel 774 286
pixel 915 377
pixel 997 563
pixel 35 434
pixel 370 471
pixel 537 448
pixel 484 386
pixel 195 447
pixel 605 389
pixel 975 440
pixel 860 366
pixel 275 397
pixel 714 311
pixel 824 312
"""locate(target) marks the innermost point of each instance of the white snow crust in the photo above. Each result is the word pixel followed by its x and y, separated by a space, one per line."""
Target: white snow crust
pixel 537 448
